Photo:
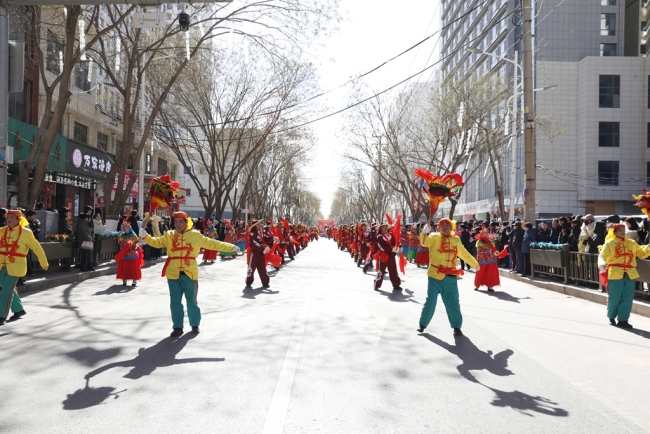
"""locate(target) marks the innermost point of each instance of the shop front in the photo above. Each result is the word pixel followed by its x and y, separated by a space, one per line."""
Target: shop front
pixel 21 137
pixel 86 171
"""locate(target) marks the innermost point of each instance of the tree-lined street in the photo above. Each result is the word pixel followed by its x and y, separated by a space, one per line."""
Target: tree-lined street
pixel 318 351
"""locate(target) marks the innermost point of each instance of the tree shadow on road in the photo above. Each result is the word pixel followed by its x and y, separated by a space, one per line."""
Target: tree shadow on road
pixel 161 355
pixel 473 358
pixel 251 293
pixel 505 296
pixel 116 289
pixel 4 334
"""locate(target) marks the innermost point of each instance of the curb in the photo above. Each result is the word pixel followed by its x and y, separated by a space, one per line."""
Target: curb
pixel 43 281
pixel 595 296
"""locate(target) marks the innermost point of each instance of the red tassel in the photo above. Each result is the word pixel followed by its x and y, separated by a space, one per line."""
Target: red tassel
pixel 402 263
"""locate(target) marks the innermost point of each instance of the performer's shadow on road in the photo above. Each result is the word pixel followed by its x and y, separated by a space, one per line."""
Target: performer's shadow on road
pixel 399 296
pixel 251 293
pixel 161 355
pixel 116 289
pixel 476 360
pixel 638 332
pixel 505 296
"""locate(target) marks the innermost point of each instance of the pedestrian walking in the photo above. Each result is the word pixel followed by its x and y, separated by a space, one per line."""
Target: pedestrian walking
pixel 444 249
pixel 182 272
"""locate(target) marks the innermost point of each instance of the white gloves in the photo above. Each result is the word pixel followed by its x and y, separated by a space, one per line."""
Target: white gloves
pixel 602 268
pixel 477 268
pixel 276 239
pixel 143 233
pixel 426 229
pixel 236 249
pixel 267 249
pixel 395 249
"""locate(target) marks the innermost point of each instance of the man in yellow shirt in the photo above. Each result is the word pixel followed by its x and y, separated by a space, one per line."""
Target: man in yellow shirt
pixel 15 242
pixel 618 259
pixel 182 271
pixel 444 247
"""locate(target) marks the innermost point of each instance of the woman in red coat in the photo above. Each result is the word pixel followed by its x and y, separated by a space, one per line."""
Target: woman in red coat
pixel 130 259
pixel 486 255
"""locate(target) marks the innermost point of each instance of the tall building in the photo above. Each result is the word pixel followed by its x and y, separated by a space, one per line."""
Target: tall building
pixel 594 51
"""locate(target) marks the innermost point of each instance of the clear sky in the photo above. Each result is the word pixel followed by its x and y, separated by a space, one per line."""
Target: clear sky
pixel 372 32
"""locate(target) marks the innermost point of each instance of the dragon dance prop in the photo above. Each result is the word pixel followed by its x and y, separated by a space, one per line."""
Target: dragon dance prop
pixel 438 189
pixel 162 192
pixel 643 202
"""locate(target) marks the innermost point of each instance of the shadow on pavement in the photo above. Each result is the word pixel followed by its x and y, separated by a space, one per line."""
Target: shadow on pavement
pixel 473 358
pixel 90 357
pixel 252 292
pixel 524 403
pixel 161 355
pixel 638 332
pixel 4 334
pixel 116 289
pixel 505 296
pixel 399 297
pixel 89 397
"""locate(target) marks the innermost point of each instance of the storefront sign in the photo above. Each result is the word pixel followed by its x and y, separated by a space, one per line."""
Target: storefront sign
pixel 72 181
pixel 101 201
pixel 135 188
pixel 87 161
pixel 21 137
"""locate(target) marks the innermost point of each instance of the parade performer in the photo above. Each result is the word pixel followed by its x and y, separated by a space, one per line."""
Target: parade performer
pixel 130 258
pixel 15 242
pixel 210 232
pixel 362 243
pixel 414 244
pixel 422 256
pixel 371 242
pixel 256 250
pixel 286 238
pixel 388 247
pixel 486 255
pixel 444 248
pixel 181 269
pixel 617 263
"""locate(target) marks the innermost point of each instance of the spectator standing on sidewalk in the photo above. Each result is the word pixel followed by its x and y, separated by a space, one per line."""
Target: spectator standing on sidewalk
pixel 64 223
pixel 598 238
pixel 516 239
pixel 530 236
pixel 632 229
pixel 98 226
pixel 574 236
pixel 15 242
pixel 544 234
pixel 556 231
pixel 464 239
pixel 84 234
pixel 618 260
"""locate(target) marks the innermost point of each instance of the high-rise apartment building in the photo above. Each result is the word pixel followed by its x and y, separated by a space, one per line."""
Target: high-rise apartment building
pixel 593 134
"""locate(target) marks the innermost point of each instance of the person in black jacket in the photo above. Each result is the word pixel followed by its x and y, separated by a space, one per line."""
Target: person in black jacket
pixel 516 239
pixel 504 234
pixel 574 235
pixel 464 239
pixel 544 234
pixel 598 239
pixel 556 231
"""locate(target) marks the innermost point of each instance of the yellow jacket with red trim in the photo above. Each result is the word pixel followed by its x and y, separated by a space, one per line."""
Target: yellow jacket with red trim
pixel 182 250
pixel 14 245
pixel 620 255
pixel 443 252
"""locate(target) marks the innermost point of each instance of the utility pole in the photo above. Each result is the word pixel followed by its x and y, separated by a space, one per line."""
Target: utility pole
pixel 529 116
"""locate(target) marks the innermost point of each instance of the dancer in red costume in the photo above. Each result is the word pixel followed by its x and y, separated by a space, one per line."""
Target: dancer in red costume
pixel 210 232
pixel 486 255
pixel 130 259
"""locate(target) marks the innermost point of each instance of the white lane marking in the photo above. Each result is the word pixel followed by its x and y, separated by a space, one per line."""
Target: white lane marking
pixel 280 402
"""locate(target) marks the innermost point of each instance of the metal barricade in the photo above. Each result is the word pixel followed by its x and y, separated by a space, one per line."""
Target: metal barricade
pixel 583 267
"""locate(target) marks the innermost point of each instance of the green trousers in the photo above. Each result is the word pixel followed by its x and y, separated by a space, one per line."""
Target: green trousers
pixel 8 296
pixel 189 287
pixel 621 294
pixel 448 289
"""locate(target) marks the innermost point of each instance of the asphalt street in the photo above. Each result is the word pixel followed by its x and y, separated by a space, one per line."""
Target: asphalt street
pixel 320 351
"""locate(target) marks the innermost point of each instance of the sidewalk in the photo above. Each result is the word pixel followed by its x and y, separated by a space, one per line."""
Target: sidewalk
pixel 47 280
pixel 639 307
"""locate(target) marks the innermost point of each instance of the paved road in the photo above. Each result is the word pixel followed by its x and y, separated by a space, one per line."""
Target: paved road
pixel 319 352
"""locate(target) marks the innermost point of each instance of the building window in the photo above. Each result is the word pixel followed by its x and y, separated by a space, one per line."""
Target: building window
pixel 608 2
pixel 119 146
pixel 162 166
pixel 54 53
pixel 80 133
pixel 608 134
pixel 608 173
pixel 102 141
pixel 81 75
pixel 644 26
pixel 610 91
pixel 607 24
pixel 19 103
pixel 172 174
pixel 188 192
pixel 607 50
